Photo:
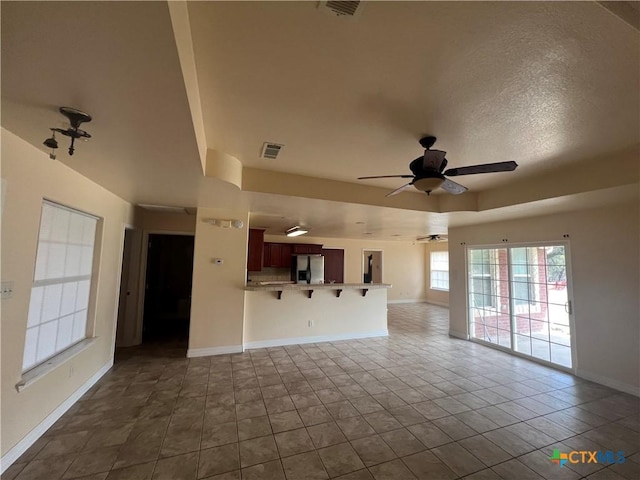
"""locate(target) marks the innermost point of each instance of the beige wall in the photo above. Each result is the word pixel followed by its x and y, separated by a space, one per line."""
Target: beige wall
pixel 604 254
pixel 166 222
pixel 403 263
pixel 217 301
pixel 437 297
pixel 31 176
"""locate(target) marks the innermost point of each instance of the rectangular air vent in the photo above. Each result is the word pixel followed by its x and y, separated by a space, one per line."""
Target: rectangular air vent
pixel 270 150
pixel 341 9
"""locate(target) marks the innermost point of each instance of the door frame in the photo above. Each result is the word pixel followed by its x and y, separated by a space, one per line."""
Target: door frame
pixel 362 261
pixel 130 314
pixel 143 273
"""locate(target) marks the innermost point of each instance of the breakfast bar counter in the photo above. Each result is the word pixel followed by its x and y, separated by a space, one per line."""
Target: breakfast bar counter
pixel 280 313
pixel 309 288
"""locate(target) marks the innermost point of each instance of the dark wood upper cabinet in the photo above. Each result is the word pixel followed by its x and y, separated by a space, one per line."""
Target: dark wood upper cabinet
pixel 302 248
pixel 277 255
pixel 287 251
pixel 333 265
pixel 255 250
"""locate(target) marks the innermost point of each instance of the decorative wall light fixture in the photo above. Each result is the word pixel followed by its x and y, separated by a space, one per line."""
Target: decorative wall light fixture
pixel 296 231
pixel 217 222
pixel 76 118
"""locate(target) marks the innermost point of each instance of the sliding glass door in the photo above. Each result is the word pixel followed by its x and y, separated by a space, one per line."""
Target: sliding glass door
pixel 518 300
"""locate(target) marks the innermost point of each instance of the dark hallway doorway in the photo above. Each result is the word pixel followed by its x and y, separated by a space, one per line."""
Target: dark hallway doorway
pixel 167 302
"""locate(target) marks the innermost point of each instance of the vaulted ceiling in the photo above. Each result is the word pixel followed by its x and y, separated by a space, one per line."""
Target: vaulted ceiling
pixel 172 87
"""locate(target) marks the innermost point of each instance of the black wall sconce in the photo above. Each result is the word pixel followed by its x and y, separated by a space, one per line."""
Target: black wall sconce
pixel 76 118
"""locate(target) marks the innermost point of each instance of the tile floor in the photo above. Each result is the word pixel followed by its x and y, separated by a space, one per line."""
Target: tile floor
pixel 415 405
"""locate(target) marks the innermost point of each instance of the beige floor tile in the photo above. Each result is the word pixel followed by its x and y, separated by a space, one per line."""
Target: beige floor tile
pixel 253 427
pixel 426 465
pixel 402 442
pixel 458 459
pixel 394 470
pixel 340 459
pixel 92 462
pixel 140 472
pixel 293 442
pixel 281 422
pixel 485 450
pixel 355 427
pixel 314 415
pixel 217 460
pixel 430 435
pixel 306 466
pixel 373 450
pixel 264 471
pixel 258 450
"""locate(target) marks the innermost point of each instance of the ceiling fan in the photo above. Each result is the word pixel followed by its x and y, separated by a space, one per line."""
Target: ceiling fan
pixel 433 238
pixel 429 171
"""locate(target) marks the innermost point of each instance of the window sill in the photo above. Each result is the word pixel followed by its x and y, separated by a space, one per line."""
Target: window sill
pixel 31 376
pixel 439 289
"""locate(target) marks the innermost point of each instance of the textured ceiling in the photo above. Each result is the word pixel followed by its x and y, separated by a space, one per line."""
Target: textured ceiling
pixel 551 85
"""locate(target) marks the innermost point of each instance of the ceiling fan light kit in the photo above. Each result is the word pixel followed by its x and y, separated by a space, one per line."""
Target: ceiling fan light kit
pixel 428 171
pixel 76 118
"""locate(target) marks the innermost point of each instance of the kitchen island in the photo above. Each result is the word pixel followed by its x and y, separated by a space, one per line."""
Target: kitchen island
pixel 286 314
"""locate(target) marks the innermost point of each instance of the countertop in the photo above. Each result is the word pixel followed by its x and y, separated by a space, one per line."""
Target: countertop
pixel 315 286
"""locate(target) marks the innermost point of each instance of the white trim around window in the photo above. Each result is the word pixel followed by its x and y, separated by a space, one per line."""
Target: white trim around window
pixel 439 271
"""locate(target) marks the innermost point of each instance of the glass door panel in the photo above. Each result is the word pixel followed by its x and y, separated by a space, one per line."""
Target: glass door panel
pixel 518 299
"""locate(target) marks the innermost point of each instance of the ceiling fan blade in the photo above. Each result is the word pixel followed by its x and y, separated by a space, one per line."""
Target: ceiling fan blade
pixel 386 176
pixel 433 159
pixel 484 168
pixel 453 187
pixel 399 189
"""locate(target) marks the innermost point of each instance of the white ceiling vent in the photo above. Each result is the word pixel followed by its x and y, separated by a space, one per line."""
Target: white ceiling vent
pixel 341 9
pixel 270 150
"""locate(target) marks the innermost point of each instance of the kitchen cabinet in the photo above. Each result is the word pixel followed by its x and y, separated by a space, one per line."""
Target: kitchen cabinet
pixel 277 255
pixel 255 250
pixel 302 248
pixel 333 265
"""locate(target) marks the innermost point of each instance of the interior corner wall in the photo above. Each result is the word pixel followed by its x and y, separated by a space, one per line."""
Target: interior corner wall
pixel 437 297
pixel 402 263
pixel 31 176
pixel 604 255
pixel 217 298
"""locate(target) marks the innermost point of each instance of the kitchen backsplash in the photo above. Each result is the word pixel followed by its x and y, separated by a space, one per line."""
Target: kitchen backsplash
pixel 270 274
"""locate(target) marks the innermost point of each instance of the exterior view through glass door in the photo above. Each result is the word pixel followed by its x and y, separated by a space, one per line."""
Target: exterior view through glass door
pixel 518 300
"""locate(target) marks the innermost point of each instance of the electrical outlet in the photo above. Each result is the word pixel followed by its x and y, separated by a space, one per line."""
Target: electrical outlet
pixel 310 323
pixel 6 289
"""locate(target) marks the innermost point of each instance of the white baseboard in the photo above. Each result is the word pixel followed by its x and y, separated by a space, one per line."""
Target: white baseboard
pixel 209 351
pixel 463 336
pixel 408 300
pixel 609 382
pixel 440 304
pixel 29 439
pixel 315 339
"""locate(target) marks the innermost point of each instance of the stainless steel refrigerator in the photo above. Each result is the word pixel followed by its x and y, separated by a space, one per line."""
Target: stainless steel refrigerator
pixel 308 268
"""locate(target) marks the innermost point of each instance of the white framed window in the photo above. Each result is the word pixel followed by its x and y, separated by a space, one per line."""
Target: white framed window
pixel 440 271
pixel 61 284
